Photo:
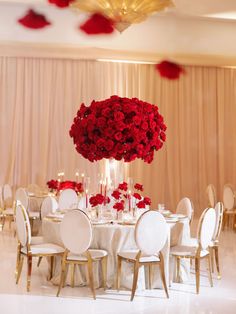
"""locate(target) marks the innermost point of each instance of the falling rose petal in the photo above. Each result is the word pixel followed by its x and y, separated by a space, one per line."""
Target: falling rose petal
pixel 34 20
pixel 97 24
pixel 169 70
pixel 61 3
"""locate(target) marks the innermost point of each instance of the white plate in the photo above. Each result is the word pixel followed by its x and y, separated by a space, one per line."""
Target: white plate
pixel 179 216
pixel 100 222
pixel 171 219
pixel 58 216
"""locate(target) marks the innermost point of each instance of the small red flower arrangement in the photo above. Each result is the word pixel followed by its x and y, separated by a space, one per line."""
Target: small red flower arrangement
pixel 119 128
pixel 97 199
pixel 121 196
pixel 58 186
pixel 61 3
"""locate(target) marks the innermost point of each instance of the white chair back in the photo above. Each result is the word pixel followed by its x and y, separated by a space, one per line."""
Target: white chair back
pixel 7 195
pixel 207 227
pixel 184 207
pixel 211 195
pixel 22 197
pixel 23 230
pixel 151 232
pixel 76 231
pixel 219 209
pixel 228 197
pixel 68 200
pixel 48 206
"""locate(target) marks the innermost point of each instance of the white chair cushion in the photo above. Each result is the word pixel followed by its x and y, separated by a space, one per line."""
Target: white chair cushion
pixel 34 215
pixel 36 240
pixel 184 250
pixel 95 254
pixel 131 255
pixel 44 248
pixel 8 211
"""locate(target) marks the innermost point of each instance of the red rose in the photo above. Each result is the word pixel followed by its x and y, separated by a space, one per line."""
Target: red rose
pixel 118 136
pixel 119 206
pixel 141 204
pixel 116 194
pixel 53 184
pixel 138 187
pixel 147 200
pixel 137 196
pixel 123 186
pixel 118 116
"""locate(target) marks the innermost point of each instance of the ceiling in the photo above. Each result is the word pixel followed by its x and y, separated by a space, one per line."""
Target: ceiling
pixel 192 28
pixel 198 8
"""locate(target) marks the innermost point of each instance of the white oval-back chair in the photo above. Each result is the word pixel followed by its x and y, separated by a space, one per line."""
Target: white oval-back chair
pixel 29 248
pixel 150 236
pixel 185 207
pixel 200 248
pixel 68 199
pixel 23 198
pixel 48 206
pixel 211 195
pixel 229 206
pixel 76 235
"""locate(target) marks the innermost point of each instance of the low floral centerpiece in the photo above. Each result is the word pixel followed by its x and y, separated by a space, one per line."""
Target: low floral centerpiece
pixel 56 185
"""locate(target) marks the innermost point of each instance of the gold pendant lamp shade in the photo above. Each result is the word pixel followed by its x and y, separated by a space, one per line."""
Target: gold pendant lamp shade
pixel 122 12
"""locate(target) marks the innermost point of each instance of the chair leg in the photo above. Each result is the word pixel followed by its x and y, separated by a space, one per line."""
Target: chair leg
pixel 211 251
pixel 19 269
pixel 216 251
pixel 51 268
pixel 197 273
pixel 39 261
pixel 119 262
pixel 72 281
pixel 178 269
pixel 209 270
pixel 163 277
pixel 150 276
pixel 135 280
pixel 104 272
pixel 62 279
pixel 90 275
pixel 3 222
pixel 18 258
pixel 29 270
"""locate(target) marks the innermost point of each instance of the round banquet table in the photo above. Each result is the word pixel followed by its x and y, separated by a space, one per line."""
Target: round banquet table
pixel 115 238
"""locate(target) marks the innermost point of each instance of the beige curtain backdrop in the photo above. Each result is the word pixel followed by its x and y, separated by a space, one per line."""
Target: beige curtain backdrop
pixel 39 98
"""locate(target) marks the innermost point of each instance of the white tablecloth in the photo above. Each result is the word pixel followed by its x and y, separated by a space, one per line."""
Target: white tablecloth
pixel 114 238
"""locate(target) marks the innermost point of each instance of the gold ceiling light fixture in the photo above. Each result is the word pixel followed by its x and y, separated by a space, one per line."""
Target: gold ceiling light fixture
pixel 123 12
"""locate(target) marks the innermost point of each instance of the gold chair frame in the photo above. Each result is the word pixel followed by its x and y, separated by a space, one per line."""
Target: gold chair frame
pixel 197 258
pixel 29 255
pixel 67 262
pixel 137 265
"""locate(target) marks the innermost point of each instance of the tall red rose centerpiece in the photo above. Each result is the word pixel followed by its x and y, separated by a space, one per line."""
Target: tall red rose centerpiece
pixel 119 128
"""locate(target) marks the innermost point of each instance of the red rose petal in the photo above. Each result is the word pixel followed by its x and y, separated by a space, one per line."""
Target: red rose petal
pixel 61 3
pixel 97 24
pixel 34 20
pixel 169 70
